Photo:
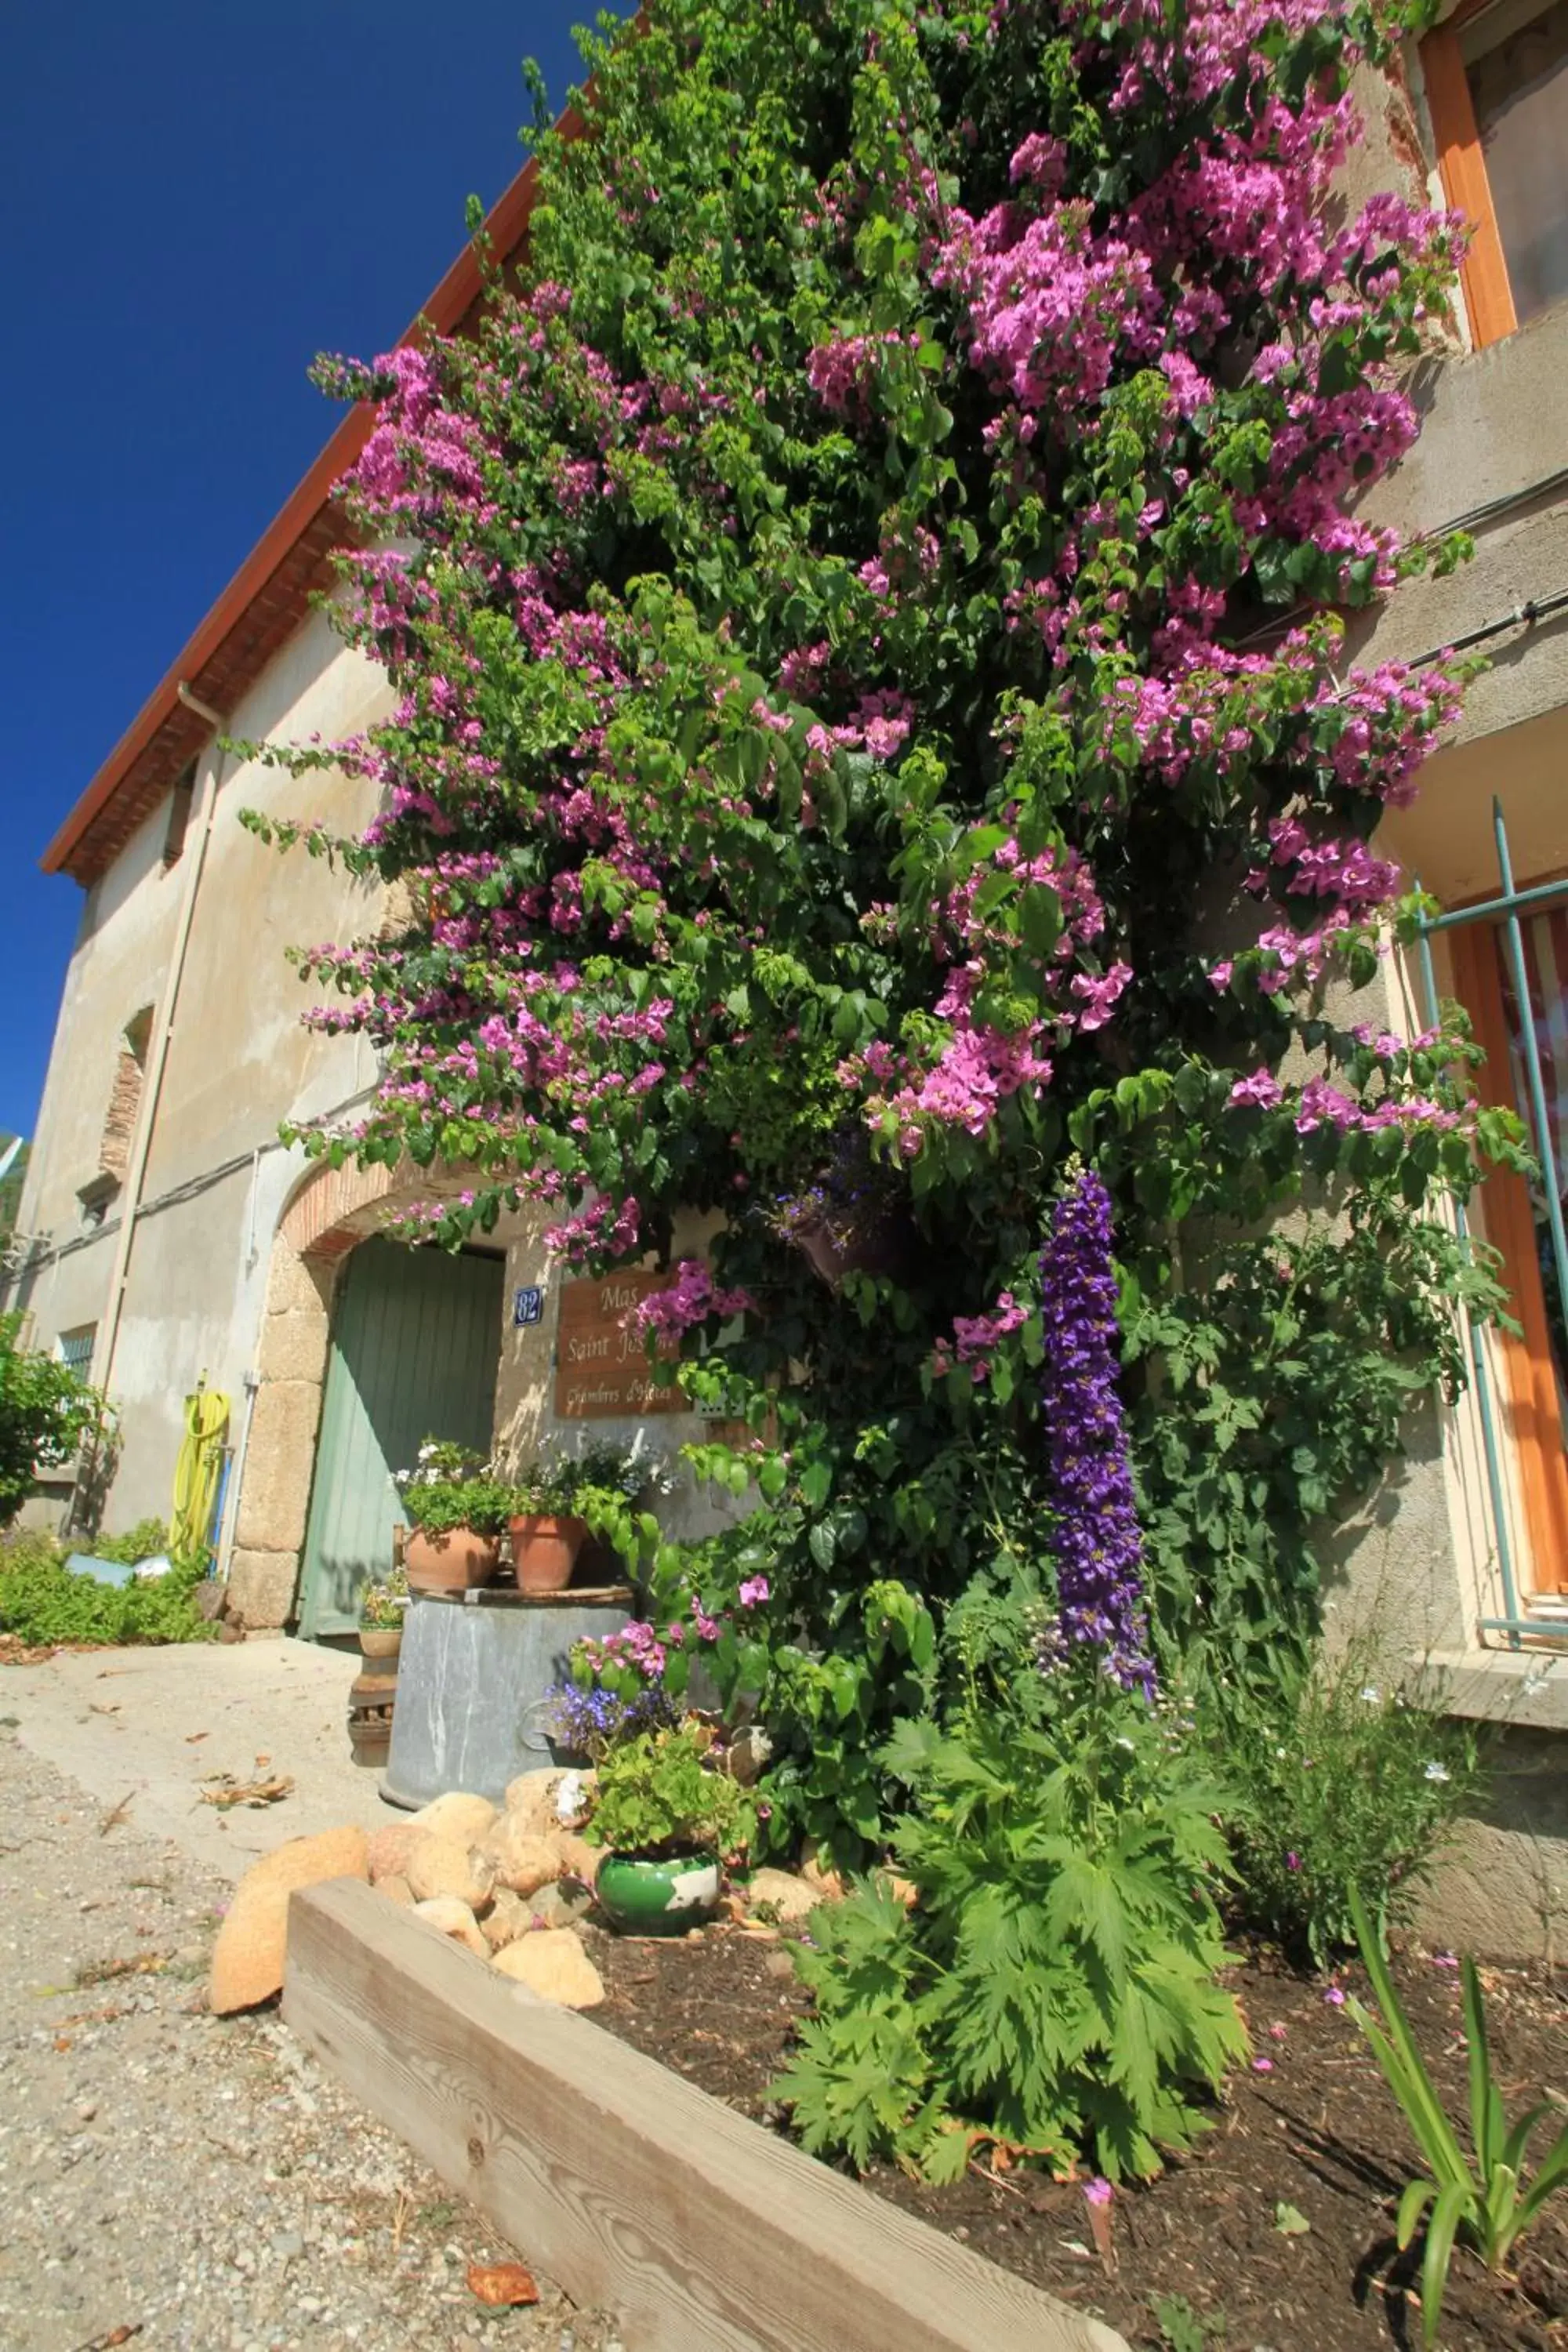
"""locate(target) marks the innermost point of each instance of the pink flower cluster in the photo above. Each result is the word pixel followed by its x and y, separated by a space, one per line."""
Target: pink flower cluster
pixel 975 1337
pixel 690 1299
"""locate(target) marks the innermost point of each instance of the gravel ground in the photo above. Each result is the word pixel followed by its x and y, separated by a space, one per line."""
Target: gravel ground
pixel 172 2178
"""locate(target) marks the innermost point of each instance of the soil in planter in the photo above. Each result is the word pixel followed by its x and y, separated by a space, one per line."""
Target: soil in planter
pixel 1319 2131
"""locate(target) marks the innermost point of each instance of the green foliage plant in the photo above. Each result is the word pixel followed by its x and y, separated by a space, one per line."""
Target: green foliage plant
pixel 1487 2198
pixel 145 1540
pixel 1342 1783
pixel 47 1605
pixel 45 1411
pixel 450 1487
pixel 663 1793
pixel 1182 2329
pixel 1053 1987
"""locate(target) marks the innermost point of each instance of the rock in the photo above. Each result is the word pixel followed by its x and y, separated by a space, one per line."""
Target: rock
pixel 552 1963
pixel 903 1890
pixel 558 1905
pixel 531 1800
pixel 396 1889
pixel 821 1876
pixel 389 1849
pixel 249 1957
pixel 508 1917
pixel 747 1753
pixel 455 1816
pixel 454 1919
pixel 578 1859
pixel 309 1861
pixel 449 1867
pixel 519 1857
pixel 780 1896
pixel 208 1600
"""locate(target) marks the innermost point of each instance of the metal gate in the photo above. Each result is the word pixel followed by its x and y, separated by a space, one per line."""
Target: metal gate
pixel 415 1344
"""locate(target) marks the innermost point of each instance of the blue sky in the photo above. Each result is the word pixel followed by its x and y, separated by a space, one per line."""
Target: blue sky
pixel 197 198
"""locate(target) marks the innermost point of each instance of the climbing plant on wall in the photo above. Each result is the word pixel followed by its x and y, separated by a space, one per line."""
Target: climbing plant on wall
pixel 866 609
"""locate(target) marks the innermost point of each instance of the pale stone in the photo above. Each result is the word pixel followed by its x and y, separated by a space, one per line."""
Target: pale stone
pixel 577 1858
pixel 552 1963
pixel 250 1952
pixel 389 1849
pixel 455 1919
pixel 531 1800
pixel 448 1866
pixel 294 1346
pixel 521 1860
pixel 821 1876
pixel 250 1955
pixel 292 1285
pixel 261 1588
pixel 508 1917
pixel 396 1889
pixel 903 1890
pixel 456 1816
pixel 557 1906
pixel 783 1895
pixel 308 1861
pixel 277 1466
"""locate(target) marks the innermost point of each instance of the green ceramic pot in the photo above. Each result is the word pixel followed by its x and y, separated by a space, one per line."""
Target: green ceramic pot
pixel 661 1897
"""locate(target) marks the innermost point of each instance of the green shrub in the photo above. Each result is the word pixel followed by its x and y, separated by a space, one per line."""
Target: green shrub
pixel 1054 1988
pixel 46 1411
pixel 43 1603
pixel 1341 1781
pixel 143 1541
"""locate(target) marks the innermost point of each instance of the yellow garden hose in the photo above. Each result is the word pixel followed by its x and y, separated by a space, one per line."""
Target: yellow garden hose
pixel 196 1473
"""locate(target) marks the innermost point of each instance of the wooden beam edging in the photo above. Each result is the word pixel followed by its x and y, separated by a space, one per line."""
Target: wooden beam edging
pixel 632 2190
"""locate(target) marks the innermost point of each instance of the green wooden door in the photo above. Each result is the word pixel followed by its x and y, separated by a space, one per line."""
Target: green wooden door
pixel 415 1343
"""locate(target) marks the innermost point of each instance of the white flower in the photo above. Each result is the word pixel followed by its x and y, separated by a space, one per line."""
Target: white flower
pixel 1435 1772
pixel 569 1797
pixel 1131 1750
pixel 1372 1694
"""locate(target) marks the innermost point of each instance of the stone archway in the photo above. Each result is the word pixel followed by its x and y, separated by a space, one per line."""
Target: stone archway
pixel 331 1211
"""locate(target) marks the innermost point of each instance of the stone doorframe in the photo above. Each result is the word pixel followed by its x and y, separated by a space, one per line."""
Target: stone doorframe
pixel 330 1213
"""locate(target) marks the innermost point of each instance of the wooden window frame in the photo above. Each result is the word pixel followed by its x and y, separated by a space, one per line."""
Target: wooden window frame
pixel 1483 273
pixel 1529 1380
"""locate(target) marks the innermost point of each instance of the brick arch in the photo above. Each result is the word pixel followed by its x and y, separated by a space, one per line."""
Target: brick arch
pixel 335 1208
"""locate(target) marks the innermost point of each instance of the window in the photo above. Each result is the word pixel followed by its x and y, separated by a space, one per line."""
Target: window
pixel 179 816
pixel 1497 83
pixel 74 1348
pixel 1516 1218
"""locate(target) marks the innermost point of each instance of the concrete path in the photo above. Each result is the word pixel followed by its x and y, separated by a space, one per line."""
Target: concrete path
pixel 125 1723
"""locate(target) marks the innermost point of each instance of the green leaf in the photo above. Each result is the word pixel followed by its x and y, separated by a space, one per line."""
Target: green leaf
pixel 1290 2222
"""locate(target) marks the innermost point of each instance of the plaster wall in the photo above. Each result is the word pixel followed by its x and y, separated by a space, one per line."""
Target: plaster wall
pixel 239 1063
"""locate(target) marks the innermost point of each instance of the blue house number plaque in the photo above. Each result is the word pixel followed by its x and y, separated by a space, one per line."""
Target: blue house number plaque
pixel 528 1304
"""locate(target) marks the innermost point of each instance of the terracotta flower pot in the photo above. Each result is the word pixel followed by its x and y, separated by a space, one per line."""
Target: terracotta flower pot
pixel 382 1641
pixel 459 1559
pixel 544 1551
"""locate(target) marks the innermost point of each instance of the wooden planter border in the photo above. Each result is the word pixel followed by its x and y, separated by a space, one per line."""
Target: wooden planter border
pixel 632 2190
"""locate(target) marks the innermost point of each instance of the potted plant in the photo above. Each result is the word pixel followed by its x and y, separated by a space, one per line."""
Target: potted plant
pixel 381 1609
pixel 564 1499
pixel 668 1815
pixel 456 1508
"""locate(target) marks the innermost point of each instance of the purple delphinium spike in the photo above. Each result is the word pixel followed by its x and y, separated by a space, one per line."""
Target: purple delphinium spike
pixel 1098 1548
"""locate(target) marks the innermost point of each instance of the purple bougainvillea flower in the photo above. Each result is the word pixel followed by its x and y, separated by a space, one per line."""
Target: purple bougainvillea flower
pixel 1334 1997
pixel 1292 1859
pixel 1099 2190
pixel 1263 2065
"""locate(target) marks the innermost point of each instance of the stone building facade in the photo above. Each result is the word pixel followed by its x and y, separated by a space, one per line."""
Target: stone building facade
pixel 167 1236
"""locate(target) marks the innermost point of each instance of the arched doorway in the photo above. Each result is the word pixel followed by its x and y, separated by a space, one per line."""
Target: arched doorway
pixel 414 1347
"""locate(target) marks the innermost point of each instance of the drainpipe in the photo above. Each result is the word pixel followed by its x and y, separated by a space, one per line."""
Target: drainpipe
pixel 158 1054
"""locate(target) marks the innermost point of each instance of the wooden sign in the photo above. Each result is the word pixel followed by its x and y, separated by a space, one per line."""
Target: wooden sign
pixel 602 1367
